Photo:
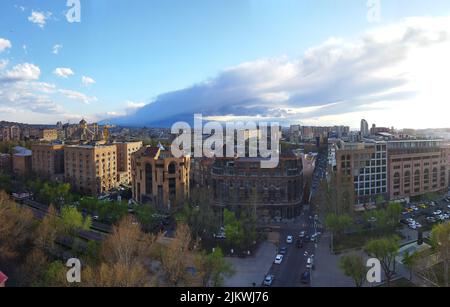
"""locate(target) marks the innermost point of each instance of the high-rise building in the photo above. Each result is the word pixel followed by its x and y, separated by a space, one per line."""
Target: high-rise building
pixel 124 152
pixel 159 178
pixel 295 134
pixel 365 164
pixel 48 160
pixel 91 169
pixel 364 128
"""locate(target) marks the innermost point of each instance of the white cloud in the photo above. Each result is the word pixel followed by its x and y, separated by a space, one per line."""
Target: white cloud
pixel 39 18
pixel 404 62
pixel 134 105
pixel 63 72
pixel 4 44
pixel 3 63
pixel 74 95
pixel 22 72
pixel 56 48
pixel 87 81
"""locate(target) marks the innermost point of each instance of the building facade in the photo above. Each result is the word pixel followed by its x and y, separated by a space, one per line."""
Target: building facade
pixel 366 165
pixel 124 152
pixel 48 160
pixel 5 163
pixel 275 194
pixel 416 167
pixel 91 169
pixel 48 135
pixel 160 179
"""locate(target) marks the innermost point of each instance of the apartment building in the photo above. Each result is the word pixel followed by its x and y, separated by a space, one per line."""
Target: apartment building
pixel 417 167
pixel 48 135
pixel 5 163
pixel 160 179
pixel 124 152
pixel 48 160
pixel 21 161
pixel 10 133
pixel 91 169
pixel 275 193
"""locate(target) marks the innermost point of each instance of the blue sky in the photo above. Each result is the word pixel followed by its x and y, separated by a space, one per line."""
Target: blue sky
pixel 139 50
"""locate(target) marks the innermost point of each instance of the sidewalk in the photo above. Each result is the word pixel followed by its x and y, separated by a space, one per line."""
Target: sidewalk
pixel 252 269
pixel 327 272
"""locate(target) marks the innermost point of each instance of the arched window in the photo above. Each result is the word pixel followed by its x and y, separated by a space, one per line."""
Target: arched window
pixel 426 176
pixel 407 179
pixel 172 168
pixel 435 177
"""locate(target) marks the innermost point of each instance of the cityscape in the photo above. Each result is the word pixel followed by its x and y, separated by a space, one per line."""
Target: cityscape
pixel 102 186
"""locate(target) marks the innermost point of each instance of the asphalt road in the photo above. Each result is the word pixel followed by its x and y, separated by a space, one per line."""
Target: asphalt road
pixel 288 273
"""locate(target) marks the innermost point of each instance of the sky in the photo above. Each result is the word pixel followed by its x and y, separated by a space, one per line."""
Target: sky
pixel 152 62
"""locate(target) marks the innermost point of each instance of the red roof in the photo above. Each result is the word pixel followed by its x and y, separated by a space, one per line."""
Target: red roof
pixel 3 277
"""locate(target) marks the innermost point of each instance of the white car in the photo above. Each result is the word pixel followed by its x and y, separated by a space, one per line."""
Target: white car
pixel 289 239
pixel 437 212
pixel 410 220
pixel 278 259
pixel 310 262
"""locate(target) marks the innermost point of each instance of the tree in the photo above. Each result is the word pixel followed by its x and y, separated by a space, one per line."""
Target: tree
pixel 385 250
pixel 440 238
pixel 199 214
pixel 174 256
pixel 127 244
pixel 47 230
pixel 214 268
pixel 16 228
pixel 123 258
pixel 337 224
pixel 72 220
pixel 33 268
pixel 353 266
pixel 410 262
pixel 145 214
pixel 234 231
pixel 55 275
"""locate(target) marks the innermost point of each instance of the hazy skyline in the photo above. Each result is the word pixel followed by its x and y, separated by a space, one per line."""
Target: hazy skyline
pixel 153 62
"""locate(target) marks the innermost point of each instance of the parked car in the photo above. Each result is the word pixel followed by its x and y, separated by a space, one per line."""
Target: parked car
pixel 302 234
pixel 310 262
pixel 268 280
pixel 278 259
pixel 283 250
pixel 306 277
pixel 437 212
pixel 289 239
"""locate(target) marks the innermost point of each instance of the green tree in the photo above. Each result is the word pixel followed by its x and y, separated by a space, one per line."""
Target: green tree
pixel 353 266
pixel 385 250
pixel 440 238
pixel 214 268
pixel 410 262
pixel 234 231
pixel 145 214
pixel 72 220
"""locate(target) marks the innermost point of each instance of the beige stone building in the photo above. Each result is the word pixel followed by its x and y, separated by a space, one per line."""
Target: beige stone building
pixel 48 135
pixel 21 161
pixel 124 152
pixel 91 169
pixel 48 160
pixel 416 167
pixel 159 178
